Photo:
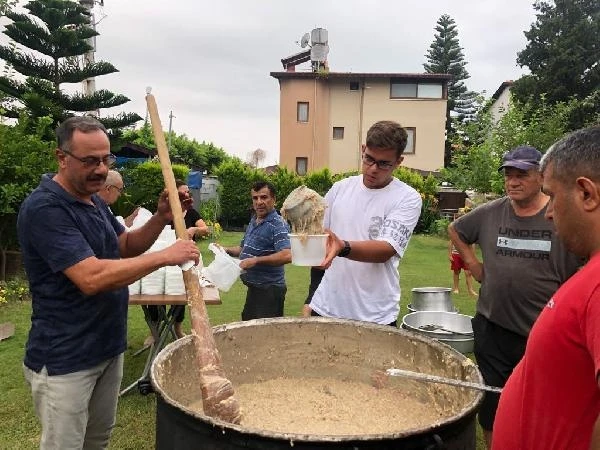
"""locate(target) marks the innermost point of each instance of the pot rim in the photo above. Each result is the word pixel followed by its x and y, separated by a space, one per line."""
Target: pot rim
pixel 412 309
pixel 431 289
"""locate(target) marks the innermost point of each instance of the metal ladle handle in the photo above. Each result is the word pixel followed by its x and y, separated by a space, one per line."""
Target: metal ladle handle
pixel 442 380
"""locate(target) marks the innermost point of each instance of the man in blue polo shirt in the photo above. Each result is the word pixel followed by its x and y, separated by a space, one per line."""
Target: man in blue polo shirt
pixel 79 261
pixel 263 252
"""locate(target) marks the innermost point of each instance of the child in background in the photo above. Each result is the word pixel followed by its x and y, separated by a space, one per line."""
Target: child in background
pixel 457 263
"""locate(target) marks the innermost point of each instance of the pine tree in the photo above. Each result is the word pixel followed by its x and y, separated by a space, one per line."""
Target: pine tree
pixel 445 56
pixel 6 6
pixel 58 30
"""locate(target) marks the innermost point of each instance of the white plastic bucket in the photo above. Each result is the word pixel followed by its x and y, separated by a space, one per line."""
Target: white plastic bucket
pixel 308 250
pixel 223 271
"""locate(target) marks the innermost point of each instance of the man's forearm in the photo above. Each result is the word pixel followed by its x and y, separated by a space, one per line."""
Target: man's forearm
pixel 467 253
pixel 371 251
pixel 465 250
pixel 276 259
pixel 233 251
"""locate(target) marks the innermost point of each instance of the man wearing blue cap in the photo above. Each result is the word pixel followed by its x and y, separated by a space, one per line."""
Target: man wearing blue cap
pixel 524 263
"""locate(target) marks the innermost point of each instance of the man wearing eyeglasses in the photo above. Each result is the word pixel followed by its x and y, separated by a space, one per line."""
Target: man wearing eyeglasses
pixel 79 261
pixel 112 190
pixel 370 218
pixel 113 187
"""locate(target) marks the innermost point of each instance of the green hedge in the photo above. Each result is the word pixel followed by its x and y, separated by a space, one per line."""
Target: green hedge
pixel 236 179
pixel 24 157
pixel 144 182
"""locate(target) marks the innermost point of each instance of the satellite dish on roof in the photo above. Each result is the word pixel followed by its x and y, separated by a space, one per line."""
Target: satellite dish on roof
pixel 304 41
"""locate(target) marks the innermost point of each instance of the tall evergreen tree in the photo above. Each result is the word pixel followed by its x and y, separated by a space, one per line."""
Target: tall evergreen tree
pixel 57 32
pixel 6 6
pixel 563 55
pixel 445 56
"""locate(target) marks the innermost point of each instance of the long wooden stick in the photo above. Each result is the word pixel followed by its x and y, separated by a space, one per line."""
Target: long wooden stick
pixel 217 391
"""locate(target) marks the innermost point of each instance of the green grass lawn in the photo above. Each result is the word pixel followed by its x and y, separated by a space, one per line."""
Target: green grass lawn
pixel 425 264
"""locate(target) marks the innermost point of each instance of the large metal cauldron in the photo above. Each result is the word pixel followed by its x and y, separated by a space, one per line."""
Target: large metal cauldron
pixel 316 347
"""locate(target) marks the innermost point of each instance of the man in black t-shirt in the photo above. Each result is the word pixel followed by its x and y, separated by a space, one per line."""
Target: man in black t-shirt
pixel 196 227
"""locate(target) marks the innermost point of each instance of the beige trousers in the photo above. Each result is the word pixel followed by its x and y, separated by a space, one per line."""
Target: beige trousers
pixel 77 410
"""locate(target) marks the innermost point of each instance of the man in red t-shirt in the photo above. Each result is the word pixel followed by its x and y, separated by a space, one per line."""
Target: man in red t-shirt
pixel 552 398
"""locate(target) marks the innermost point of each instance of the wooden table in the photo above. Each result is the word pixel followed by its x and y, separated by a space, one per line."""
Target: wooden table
pixel 209 294
pixel 163 329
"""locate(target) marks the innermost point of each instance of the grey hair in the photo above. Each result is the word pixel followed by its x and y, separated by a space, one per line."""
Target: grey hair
pixel 113 177
pixel 575 155
pixel 85 124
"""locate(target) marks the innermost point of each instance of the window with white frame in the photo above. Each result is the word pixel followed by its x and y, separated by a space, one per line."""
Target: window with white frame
pixel 301 165
pixel 404 89
pixel 410 141
pixel 302 112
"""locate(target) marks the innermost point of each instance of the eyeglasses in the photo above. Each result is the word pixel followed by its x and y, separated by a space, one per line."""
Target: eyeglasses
pixel 117 188
pixel 383 165
pixel 93 161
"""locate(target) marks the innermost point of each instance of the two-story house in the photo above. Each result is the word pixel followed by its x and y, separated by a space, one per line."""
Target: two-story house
pixel 324 117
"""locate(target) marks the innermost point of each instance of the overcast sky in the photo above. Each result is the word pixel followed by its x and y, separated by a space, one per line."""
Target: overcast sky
pixel 209 62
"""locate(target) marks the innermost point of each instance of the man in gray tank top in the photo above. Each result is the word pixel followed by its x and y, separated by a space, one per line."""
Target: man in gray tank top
pixel 524 263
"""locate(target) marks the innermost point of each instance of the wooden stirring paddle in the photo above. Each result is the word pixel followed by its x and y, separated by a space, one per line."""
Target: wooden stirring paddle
pixel 217 391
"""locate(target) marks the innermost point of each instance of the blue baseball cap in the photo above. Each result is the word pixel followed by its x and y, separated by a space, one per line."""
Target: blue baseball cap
pixel 523 157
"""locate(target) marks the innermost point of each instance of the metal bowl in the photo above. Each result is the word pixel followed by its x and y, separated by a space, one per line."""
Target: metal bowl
pixel 432 299
pixel 426 322
pixel 411 309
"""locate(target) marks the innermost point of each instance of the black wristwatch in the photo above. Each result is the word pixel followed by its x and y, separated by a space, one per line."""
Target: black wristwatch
pixel 346 250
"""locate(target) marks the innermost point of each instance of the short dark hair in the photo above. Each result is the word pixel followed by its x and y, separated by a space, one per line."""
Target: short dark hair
pixel 575 155
pixel 85 124
pixel 387 134
pixel 257 186
pixel 179 182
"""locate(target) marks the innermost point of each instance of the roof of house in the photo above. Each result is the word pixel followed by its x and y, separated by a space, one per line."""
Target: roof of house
pixel 270 169
pixel 131 150
pixel 357 75
pixel 504 85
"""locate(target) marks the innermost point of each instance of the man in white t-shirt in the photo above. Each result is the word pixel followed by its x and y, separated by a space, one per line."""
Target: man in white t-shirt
pixel 370 218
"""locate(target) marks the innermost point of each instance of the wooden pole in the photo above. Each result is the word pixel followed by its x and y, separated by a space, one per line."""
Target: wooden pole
pixel 217 391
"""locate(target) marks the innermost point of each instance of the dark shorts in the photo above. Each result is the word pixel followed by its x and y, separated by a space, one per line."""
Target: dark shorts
pixel 457 263
pixel 264 301
pixel 497 351
pixel 316 275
